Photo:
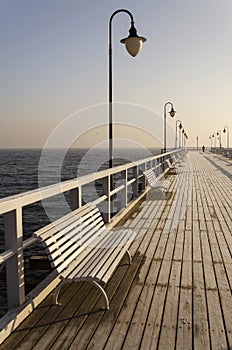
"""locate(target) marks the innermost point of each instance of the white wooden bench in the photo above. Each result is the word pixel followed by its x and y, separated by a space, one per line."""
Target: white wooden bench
pixel 156 183
pixel 228 153
pixel 169 164
pixel 81 248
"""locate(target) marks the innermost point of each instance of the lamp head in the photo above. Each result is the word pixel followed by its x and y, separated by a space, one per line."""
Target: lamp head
pixel 133 42
pixel 172 112
pixel 224 130
pixel 180 126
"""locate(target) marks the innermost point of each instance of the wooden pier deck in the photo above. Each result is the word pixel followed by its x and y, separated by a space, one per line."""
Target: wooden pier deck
pixel 177 292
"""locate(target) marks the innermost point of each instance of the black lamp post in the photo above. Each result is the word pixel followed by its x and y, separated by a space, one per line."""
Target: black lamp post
pixel 186 138
pixel 214 136
pixel 172 113
pixel 133 45
pixel 182 141
pixel 219 138
pixel 180 127
pixel 211 139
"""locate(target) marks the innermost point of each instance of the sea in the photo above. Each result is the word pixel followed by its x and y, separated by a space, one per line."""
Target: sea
pixel 22 170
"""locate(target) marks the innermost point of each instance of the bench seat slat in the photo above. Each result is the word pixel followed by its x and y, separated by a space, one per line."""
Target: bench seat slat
pixel 100 266
pixel 97 246
pixel 103 253
pixel 74 236
pixel 74 250
pixel 108 268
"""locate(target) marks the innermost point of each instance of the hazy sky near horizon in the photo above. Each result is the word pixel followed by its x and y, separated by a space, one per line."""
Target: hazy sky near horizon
pixel 54 63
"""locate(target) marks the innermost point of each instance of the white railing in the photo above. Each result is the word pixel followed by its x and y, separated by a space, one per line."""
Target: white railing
pixel 227 152
pixel 11 208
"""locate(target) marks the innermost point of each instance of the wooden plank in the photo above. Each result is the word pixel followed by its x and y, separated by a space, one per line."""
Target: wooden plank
pixel 154 319
pixel 225 300
pixel 138 321
pixel 216 326
pixel 184 327
pixel 201 337
pixel 170 312
pixel 40 328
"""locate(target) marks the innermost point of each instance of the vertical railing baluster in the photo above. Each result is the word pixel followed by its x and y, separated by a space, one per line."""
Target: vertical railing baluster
pixel 15 265
pixel 75 198
pixel 135 188
pixel 143 185
pixel 106 211
pixel 123 196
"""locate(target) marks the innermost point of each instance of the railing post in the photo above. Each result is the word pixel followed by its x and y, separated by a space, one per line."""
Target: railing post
pixel 143 185
pixel 157 167
pixel 123 203
pixel 107 203
pixel 75 198
pixel 135 183
pixel 15 265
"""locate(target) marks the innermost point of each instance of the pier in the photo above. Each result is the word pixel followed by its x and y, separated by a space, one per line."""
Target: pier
pixel 177 292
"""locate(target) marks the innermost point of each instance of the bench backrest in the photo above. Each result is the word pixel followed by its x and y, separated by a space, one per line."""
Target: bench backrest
pixel 151 177
pixel 66 238
pixel 169 163
pixel 174 160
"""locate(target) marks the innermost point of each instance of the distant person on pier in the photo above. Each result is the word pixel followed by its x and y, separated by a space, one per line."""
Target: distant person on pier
pixel 203 148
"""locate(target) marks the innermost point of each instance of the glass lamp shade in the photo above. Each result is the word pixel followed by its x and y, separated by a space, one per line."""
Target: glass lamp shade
pixel 172 113
pixel 224 130
pixel 133 44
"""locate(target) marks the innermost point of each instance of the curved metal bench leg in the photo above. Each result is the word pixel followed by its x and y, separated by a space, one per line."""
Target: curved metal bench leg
pixel 107 305
pixel 57 292
pixel 129 257
pixel 58 289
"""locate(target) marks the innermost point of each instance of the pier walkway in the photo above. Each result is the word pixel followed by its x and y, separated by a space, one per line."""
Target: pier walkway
pixel 177 292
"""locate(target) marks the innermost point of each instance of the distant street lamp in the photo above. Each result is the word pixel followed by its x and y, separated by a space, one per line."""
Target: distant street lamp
pixel 133 45
pixel 186 138
pixel 182 141
pixel 211 139
pixel 197 143
pixel 180 127
pixel 214 136
pixel 220 138
pixel 172 113
pixel 224 130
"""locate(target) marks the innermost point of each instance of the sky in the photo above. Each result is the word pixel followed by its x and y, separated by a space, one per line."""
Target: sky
pixel 54 65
